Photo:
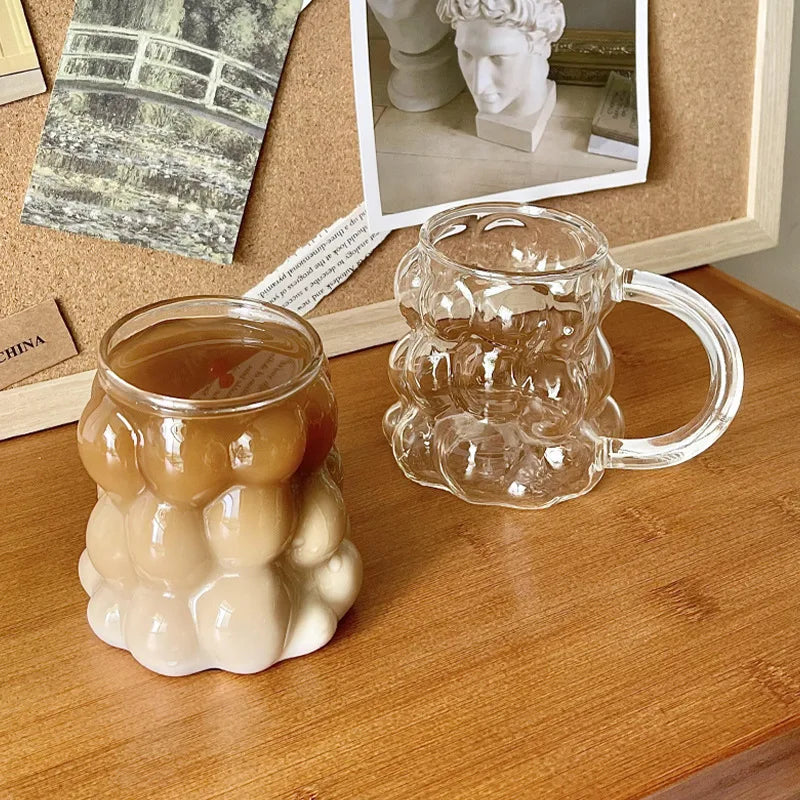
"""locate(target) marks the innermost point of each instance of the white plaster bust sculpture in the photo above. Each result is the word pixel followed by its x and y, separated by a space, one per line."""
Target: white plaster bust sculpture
pixel 503 47
pixel 425 72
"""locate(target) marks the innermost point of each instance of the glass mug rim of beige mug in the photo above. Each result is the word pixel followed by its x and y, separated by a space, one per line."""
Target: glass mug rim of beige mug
pixel 202 305
pixel 452 380
pixel 220 537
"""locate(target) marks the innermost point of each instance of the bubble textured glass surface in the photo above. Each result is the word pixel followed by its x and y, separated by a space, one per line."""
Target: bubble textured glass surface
pixel 220 537
pixel 504 380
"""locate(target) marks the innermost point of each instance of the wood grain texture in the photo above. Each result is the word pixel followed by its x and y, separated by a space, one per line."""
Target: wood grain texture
pixel 702 117
pixel 600 650
pixel 770 771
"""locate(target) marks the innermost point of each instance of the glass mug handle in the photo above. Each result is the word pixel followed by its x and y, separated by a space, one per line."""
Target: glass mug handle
pixel 726 368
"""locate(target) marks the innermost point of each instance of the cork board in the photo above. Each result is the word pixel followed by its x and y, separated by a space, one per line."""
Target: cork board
pixel 702 62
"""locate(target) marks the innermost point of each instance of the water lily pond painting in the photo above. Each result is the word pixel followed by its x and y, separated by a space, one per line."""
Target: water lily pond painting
pixel 156 121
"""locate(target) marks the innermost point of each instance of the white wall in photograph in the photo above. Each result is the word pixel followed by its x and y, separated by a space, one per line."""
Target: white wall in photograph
pixel 601 16
pixel 417 162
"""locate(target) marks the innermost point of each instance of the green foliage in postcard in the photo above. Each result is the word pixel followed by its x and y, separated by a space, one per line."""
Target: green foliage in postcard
pixel 156 121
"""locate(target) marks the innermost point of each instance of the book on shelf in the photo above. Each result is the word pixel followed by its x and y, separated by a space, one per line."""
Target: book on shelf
pixel 615 127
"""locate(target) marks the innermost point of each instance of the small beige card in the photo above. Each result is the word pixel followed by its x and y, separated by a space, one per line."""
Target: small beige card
pixel 20 74
pixel 33 340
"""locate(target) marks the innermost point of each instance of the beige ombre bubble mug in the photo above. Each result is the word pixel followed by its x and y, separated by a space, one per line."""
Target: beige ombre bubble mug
pixel 505 378
pixel 219 537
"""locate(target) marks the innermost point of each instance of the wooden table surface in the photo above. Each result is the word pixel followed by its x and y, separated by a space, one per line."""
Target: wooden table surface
pixel 604 648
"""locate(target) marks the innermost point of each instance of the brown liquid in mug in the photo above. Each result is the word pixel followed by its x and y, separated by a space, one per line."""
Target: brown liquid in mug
pixel 187 459
pixel 211 358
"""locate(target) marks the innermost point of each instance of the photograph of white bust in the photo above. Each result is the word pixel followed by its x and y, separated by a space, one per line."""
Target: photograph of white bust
pixel 495 99
pixel 503 51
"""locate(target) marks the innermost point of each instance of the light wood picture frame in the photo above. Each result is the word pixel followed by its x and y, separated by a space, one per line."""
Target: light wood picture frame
pixel 58 401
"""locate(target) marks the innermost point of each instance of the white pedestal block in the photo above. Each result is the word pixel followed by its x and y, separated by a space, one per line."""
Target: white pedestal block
pixel 602 146
pixel 522 133
pixel 424 81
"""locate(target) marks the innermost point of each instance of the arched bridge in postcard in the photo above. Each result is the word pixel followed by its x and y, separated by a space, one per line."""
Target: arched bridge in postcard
pixel 174 72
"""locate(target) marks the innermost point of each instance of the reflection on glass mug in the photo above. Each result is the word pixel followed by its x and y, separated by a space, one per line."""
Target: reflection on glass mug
pixel 505 379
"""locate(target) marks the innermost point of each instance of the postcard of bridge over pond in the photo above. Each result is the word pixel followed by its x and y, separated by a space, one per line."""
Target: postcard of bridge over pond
pixel 156 121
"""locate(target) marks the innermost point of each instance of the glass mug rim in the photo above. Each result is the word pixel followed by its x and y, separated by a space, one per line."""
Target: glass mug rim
pixel 251 309
pixel 427 243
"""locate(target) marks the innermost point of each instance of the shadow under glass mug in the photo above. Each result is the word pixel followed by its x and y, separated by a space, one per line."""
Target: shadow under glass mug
pixel 505 378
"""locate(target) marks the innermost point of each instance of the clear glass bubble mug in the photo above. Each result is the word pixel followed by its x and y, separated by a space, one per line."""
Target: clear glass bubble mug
pixel 505 378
